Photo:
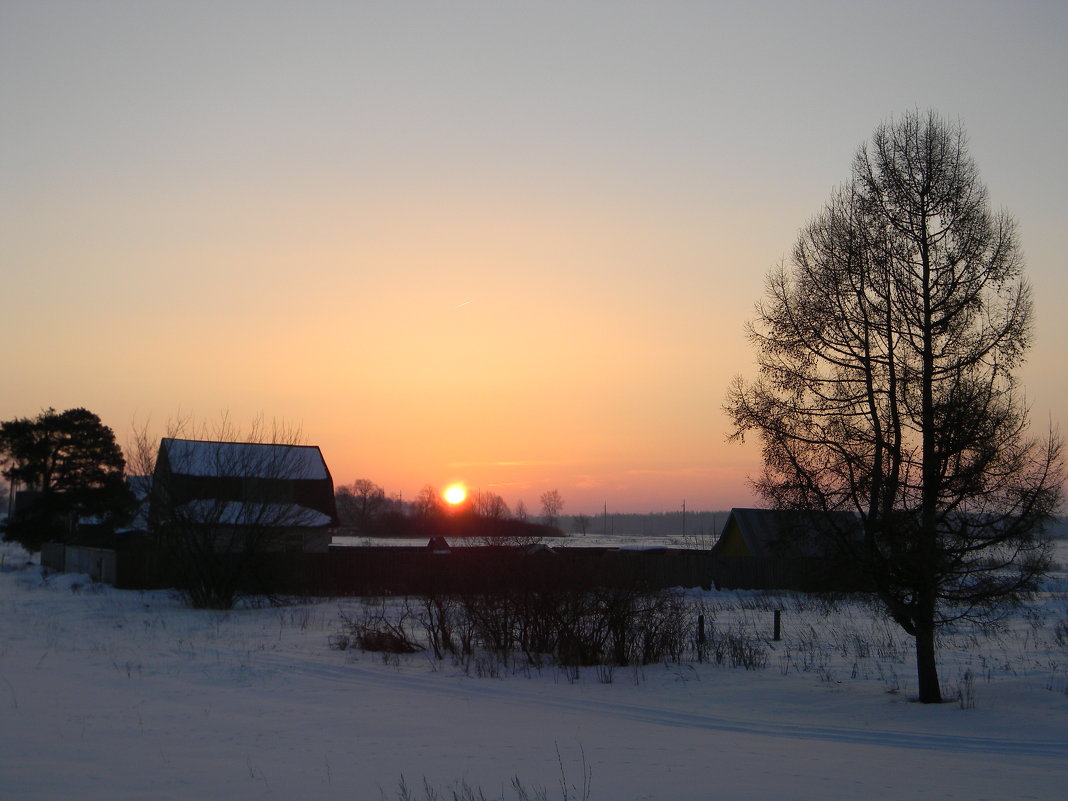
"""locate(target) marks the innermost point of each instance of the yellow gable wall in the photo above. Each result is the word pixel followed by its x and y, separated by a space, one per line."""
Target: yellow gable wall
pixel 731 541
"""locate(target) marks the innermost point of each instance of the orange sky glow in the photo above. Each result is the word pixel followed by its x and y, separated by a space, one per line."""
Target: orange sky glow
pixel 512 248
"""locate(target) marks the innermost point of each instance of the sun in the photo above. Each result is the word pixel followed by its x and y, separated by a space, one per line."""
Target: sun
pixel 456 494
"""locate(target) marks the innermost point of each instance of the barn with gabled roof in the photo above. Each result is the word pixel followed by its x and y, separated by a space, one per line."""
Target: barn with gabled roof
pixel 284 493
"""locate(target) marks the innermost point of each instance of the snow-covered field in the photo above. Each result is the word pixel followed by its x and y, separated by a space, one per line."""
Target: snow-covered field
pixel 569 541
pixel 108 694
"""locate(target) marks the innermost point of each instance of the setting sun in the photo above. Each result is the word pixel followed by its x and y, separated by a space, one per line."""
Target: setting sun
pixel 455 494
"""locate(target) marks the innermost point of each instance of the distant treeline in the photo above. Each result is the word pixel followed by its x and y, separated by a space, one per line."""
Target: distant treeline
pixel 364 508
pixel 699 524
pixel 459 526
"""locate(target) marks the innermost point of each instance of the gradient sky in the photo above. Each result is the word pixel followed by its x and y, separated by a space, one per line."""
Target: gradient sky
pixel 507 244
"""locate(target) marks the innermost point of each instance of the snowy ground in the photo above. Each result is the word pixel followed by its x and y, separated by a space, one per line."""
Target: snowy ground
pixel 107 694
pixel 568 541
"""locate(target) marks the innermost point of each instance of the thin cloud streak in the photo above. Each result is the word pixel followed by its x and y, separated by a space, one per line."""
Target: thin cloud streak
pixel 520 463
pixel 677 471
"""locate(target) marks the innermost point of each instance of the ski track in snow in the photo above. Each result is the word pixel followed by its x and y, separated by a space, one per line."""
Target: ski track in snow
pixel 283 705
pixel 513 693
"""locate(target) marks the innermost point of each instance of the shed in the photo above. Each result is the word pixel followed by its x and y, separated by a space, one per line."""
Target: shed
pixel 785 549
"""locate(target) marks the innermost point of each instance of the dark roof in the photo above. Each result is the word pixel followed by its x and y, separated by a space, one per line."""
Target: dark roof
pixel 244 483
pixel 781 532
pixel 243 459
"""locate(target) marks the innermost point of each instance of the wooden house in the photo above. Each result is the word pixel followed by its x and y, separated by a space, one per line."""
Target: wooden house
pixel 280 495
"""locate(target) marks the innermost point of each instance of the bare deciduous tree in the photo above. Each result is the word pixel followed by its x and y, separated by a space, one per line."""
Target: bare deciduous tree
pixel 552 504
pixel 360 504
pixel 491 506
pixel 581 523
pixel 887 353
pixel 428 503
pixel 521 513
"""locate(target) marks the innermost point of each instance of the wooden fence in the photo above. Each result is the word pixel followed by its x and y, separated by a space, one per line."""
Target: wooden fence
pixel 408 570
pixel 425 571
pixel 100 564
pixel 778 573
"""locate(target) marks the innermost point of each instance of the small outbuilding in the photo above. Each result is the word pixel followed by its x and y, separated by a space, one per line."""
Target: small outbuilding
pixel 785 549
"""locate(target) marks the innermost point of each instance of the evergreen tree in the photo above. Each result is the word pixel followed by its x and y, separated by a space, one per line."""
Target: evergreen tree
pixel 69 467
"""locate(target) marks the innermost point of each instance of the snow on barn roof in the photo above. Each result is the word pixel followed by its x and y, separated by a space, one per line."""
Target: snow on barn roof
pixel 246 459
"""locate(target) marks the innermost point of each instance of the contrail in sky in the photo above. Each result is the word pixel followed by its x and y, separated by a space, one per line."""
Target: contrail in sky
pixel 463 304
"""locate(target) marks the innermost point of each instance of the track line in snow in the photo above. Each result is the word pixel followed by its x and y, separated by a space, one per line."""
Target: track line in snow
pixel 515 694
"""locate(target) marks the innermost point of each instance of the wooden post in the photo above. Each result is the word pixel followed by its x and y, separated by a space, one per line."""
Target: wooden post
pixel 700 638
pixel 778 621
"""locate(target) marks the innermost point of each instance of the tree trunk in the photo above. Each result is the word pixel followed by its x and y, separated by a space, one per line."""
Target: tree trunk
pixel 926 667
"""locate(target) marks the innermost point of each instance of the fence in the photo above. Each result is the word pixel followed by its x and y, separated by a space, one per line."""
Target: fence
pixel 778 573
pixel 407 570
pixel 425 571
pixel 124 569
pixel 100 564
